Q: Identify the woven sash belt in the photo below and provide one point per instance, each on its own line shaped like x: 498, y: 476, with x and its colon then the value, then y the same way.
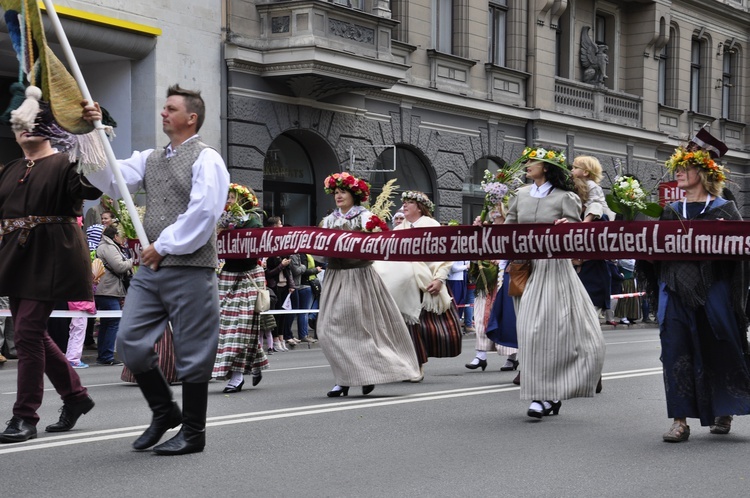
x: 26, y: 223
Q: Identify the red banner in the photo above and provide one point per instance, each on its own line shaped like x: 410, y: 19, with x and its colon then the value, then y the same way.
x: 653, y: 240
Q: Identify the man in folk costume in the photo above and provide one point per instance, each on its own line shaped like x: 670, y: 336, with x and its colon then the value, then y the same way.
x: 41, y: 194
x: 186, y: 184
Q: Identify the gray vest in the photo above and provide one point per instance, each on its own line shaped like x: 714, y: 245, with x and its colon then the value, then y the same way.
x: 168, y: 182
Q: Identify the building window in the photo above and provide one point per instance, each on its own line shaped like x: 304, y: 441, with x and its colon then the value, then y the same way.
x: 604, y: 34
x: 562, y: 46
x: 600, y: 30
x: 667, y: 71
x: 498, y: 31
x: 400, y: 13
x: 663, y: 77
x: 442, y: 25
x: 728, y: 84
x: 696, y: 70
x: 411, y: 171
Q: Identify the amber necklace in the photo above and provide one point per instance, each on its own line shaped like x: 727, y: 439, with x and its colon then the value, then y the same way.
x: 29, y: 164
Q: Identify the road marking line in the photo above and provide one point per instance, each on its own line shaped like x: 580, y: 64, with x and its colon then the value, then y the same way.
x: 281, y: 413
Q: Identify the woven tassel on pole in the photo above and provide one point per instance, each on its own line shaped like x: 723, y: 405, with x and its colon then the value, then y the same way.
x: 24, y: 117
x: 89, y: 152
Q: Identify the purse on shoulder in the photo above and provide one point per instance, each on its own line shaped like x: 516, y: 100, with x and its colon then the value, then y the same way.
x: 263, y: 299
x: 519, y: 272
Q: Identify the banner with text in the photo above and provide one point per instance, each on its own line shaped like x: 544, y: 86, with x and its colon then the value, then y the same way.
x: 655, y: 240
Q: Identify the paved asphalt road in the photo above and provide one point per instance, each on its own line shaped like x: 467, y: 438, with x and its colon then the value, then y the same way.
x: 459, y: 433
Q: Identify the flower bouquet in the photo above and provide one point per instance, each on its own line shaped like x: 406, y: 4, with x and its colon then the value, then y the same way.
x: 628, y: 199
x: 126, y: 228
x: 498, y: 186
x: 484, y: 275
x: 375, y: 224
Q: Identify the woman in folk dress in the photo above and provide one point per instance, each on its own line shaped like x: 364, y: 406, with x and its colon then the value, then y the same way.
x: 240, y: 351
x: 560, y: 342
x: 359, y: 327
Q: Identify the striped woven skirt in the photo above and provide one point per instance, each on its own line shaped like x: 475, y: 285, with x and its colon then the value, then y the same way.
x: 560, y: 341
x: 361, y: 331
x: 437, y: 336
x: 165, y: 349
x: 239, y: 347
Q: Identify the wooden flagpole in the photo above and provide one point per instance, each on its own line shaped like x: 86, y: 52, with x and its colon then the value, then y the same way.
x: 76, y: 70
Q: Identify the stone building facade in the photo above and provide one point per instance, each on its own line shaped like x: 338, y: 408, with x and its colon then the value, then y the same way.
x: 451, y: 87
x: 431, y: 92
x: 130, y: 52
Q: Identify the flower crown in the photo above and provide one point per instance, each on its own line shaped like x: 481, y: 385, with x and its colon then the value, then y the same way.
x: 419, y: 197
x: 243, y: 192
x: 358, y: 188
x: 541, y: 154
x: 682, y: 159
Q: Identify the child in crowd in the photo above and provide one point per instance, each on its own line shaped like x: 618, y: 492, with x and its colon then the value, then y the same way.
x: 589, y: 169
x: 77, y: 332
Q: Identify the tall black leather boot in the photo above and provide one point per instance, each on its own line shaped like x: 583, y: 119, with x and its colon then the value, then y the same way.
x: 166, y: 412
x: 192, y: 435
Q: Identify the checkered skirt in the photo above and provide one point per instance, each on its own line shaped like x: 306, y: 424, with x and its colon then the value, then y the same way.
x: 239, y: 327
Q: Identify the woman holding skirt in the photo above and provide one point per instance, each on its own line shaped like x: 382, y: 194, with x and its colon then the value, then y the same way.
x: 359, y: 327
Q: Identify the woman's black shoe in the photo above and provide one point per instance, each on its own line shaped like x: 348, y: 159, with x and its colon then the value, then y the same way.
x: 335, y: 393
x: 509, y: 366
x: 474, y: 366
x: 235, y: 389
x: 537, y: 413
x: 599, y: 386
x: 554, y: 408
x: 257, y: 379
x: 367, y: 390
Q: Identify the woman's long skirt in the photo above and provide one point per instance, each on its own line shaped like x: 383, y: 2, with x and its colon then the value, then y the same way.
x: 501, y: 322
x: 629, y: 307
x: 361, y: 330
x: 560, y: 341
x: 239, y: 347
x: 706, y: 372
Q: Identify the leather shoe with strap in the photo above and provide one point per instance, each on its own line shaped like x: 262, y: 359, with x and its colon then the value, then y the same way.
x: 18, y: 431
x: 70, y: 413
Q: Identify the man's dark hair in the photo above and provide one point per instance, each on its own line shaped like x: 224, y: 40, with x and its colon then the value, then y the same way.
x: 193, y: 102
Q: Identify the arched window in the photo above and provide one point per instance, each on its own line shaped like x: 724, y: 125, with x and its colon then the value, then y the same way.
x: 288, y: 190
x: 411, y: 173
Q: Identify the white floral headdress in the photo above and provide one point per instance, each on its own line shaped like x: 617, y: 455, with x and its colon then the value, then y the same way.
x: 412, y: 195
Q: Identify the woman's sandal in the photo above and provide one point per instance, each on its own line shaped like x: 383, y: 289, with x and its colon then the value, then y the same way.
x: 722, y: 425
x: 677, y: 433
